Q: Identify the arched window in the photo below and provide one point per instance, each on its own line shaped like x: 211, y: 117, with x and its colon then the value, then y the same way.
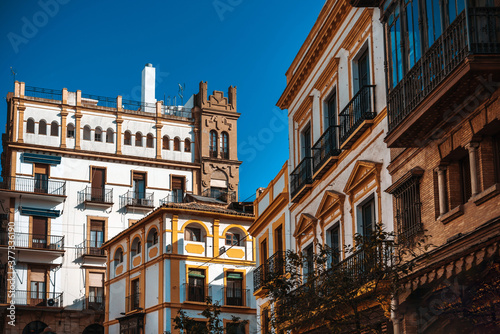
x: 110, y: 136
x: 136, y: 246
x: 35, y: 327
x: 30, y: 125
x: 233, y: 237
x: 118, y: 257
x: 166, y: 143
x: 127, y: 139
x: 138, y: 139
x: 213, y: 144
x: 149, y: 140
x: 70, y: 129
x: 152, y: 237
x: 42, y: 127
x: 54, y: 129
x: 225, y: 145
x: 177, y: 144
x: 98, y: 134
x: 187, y: 145
x: 86, y: 132
x: 194, y: 232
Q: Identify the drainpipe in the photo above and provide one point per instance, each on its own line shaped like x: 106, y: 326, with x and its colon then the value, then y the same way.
x: 394, y: 315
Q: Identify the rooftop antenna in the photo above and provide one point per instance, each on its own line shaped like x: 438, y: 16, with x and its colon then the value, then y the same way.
x: 13, y: 75
x: 181, y: 92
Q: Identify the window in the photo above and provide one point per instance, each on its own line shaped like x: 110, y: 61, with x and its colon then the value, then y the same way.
x: 97, y: 188
x: 109, y: 136
x: 39, y: 230
x: 135, y: 295
x: 465, y: 178
x: 334, y: 244
x: 166, y: 143
x: 152, y: 238
x: 96, y: 236
x: 136, y: 247
x: 138, y: 139
x: 192, y: 234
x: 225, y: 145
x: 263, y: 251
x: 434, y: 27
x: 235, y: 328
x: 213, y: 144
x: 41, y: 178
x: 118, y: 256
x: 233, y: 238
x: 37, y: 285
x: 42, y: 127
x: 234, y: 289
x: 266, y: 328
x: 149, y: 140
x: 367, y: 218
x: 362, y: 71
x: 86, y: 132
x: 309, y: 260
x: 177, y: 144
x: 330, y: 114
x: 54, y: 129
x: 196, y: 285
x: 305, y: 141
x: 98, y: 134
x: 139, y: 185
x: 396, y: 47
x: 127, y: 138
x: 496, y: 155
x: 30, y: 125
x: 177, y: 189
x: 187, y: 145
x: 96, y: 291
x: 70, y: 131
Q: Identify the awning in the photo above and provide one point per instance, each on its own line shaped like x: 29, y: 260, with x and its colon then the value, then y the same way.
x: 41, y: 158
x: 28, y: 211
x: 196, y: 273
x: 235, y: 275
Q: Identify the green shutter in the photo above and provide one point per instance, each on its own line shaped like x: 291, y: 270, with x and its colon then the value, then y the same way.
x: 196, y: 273
x: 235, y: 276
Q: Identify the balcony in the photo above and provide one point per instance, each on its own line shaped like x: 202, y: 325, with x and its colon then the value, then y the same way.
x: 197, y: 293
x: 137, y: 201
x: 357, y: 116
x: 101, y: 197
x: 95, y: 303
x: 273, y: 267
x: 325, y: 152
x: 236, y: 296
x: 463, y: 61
x: 38, y: 298
x: 220, y: 194
x: 85, y: 249
x: 301, y: 179
x: 133, y: 302
x: 175, y: 196
x: 35, y: 241
x: 35, y: 188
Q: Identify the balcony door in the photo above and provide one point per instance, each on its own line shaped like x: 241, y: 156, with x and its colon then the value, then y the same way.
x: 135, y: 294
x: 362, y: 79
x: 37, y: 293
x: 96, y: 291
x: 96, y: 236
x: 306, y: 142
x: 39, y: 232
x: 196, y: 286
x: 98, y: 181
x: 234, y: 289
x: 368, y: 218
x: 278, y: 241
x: 177, y: 189
x: 41, y: 178
x: 139, y: 186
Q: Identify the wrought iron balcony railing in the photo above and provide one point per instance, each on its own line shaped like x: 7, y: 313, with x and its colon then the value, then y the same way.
x: 37, y: 241
x: 95, y: 195
x: 220, y: 194
x: 43, y: 93
x: 273, y: 267
x: 34, y: 185
x: 236, y: 296
x: 326, y: 147
x: 301, y: 176
x: 136, y: 199
x: 197, y: 293
x: 176, y: 196
x: 133, y: 302
x: 100, y: 102
x: 95, y: 303
x: 359, y: 109
x: 89, y: 249
x: 38, y: 298
x: 474, y: 32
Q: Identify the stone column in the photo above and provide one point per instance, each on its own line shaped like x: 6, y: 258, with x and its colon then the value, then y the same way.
x: 472, y: 148
x: 158, y: 130
x: 441, y: 171
x: 78, y: 118
x: 20, y: 129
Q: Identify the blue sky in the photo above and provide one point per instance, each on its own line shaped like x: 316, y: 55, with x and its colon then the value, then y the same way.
x: 101, y: 48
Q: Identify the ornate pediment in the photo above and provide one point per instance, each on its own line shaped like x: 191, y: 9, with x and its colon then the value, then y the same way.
x: 219, y: 123
x: 363, y: 171
x: 331, y: 200
x: 306, y: 222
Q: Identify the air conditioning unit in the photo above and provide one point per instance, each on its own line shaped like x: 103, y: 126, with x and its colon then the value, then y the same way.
x: 169, y: 248
x: 144, y: 202
x: 51, y: 302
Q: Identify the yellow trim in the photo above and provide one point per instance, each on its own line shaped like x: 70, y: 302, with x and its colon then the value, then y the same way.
x: 195, y: 221
x: 216, y: 225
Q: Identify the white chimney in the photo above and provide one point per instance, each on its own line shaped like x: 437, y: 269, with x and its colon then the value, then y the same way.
x: 148, y: 84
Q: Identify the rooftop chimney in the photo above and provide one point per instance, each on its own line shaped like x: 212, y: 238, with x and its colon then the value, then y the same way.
x: 148, y: 84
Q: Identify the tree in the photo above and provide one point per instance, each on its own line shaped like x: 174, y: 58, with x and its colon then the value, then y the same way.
x: 213, y: 325
x: 353, y: 295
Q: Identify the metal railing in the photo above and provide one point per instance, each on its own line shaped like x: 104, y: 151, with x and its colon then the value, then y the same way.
x: 360, y: 108
x: 38, y: 298
x: 176, y: 111
x: 447, y: 52
x: 301, y: 176
x: 100, y: 102
x: 37, y: 241
x: 173, y: 197
x: 132, y: 198
x: 95, y: 303
x: 236, y: 296
x: 43, y: 93
x: 213, y: 153
x: 137, y: 107
x: 220, y: 194
x: 196, y: 293
x: 133, y: 302
x: 273, y: 267
x: 88, y: 248
x: 95, y: 195
x: 34, y: 185
x: 327, y: 146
